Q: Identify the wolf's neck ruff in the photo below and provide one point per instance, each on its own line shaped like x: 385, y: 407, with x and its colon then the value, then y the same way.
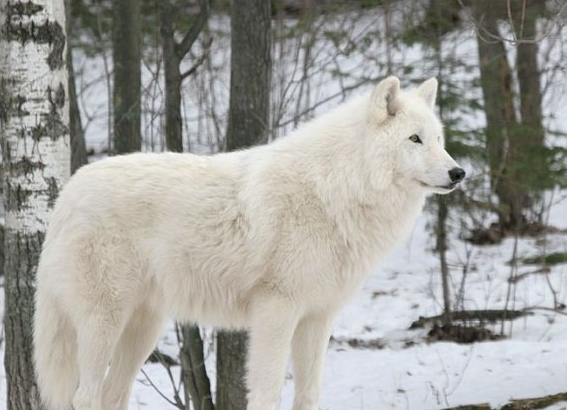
x: 354, y: 181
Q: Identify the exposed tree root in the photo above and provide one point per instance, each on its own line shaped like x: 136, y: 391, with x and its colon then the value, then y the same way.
x: 520, y: 404
x: 490, y: 315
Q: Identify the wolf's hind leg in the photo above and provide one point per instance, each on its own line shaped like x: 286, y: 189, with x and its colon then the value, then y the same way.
x: 134, y: 346
x: 97, y: 335
x: 272, y: 327
x: 308, y: 354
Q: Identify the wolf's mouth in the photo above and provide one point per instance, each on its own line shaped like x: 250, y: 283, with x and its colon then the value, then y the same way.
x: 452, y: 185
x: 448, y: 187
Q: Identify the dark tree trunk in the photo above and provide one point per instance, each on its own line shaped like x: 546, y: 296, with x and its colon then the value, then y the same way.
x: 442, y: 21
x: 250, y: 74
x: 532, y: 158
x: 193, y: 371
x: 231, y: 370
x: 2, y: 253
x: 126, y: 51
x: 529, y: 74
x: 78, y: 146
x: 173, y: 80
x: 441, y: 247
x: 248, y: 119
x: 501, y: 124
x: 22, y: 252
x: 173, y: 54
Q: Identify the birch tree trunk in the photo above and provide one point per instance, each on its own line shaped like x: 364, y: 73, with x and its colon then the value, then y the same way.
x: 34, y: 115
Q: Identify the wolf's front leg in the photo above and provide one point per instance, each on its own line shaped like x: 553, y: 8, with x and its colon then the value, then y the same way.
x: 273, y: 323
x: 309, y: 346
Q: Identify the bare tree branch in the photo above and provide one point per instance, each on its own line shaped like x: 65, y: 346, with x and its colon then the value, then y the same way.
x: 183, y: 48
x: 200, y: 61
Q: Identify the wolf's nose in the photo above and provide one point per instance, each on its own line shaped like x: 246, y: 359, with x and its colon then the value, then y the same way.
x: 457, y: 175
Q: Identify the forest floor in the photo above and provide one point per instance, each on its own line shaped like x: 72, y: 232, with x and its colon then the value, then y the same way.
x: 375, y: 362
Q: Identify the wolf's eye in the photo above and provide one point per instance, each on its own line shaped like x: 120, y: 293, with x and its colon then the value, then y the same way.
x: 415, y: 138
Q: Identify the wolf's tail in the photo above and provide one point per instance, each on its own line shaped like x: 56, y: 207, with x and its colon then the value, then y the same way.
x: 55, y: 353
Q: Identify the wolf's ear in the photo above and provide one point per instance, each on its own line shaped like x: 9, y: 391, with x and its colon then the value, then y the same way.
x: 428, y: 91
x: 385, y: 100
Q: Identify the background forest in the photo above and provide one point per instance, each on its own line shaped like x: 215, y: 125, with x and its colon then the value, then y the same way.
x: 473, y: 308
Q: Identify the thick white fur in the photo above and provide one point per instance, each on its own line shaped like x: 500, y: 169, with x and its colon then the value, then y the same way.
x: 274, y: 239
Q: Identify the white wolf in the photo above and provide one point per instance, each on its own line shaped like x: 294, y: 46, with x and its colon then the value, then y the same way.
x: 274, y: 239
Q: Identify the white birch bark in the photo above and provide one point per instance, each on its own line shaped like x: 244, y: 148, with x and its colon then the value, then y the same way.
x: 34, y: 121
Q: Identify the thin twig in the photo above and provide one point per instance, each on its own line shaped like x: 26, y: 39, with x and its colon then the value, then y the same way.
x: 199, y: 62
x: 159, y: 391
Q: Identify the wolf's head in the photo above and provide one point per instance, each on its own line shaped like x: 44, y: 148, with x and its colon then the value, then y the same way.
x: 409, y: 136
